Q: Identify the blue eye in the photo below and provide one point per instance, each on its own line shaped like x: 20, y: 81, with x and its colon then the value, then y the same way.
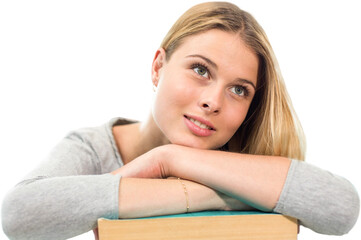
x: 201, y: 70
x: 239, y: 90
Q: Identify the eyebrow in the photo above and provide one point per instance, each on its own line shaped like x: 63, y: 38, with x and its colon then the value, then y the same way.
x: 209, y: 61
x: 214, y: 65
x: 241, y: 80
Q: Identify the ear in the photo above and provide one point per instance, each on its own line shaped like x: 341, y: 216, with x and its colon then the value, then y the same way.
x: 158, y: 63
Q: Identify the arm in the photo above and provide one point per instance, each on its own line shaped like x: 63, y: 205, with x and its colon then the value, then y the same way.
x: 257, y: 180
x: 140, y: 197
x: 322, y: 201
x: 71, y: 189
x: 59, y: 207
x: 63, y: 198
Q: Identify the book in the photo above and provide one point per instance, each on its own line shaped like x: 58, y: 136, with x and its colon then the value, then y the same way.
x: 210, y: 225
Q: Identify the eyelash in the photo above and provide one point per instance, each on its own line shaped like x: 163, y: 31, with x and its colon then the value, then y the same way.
x: 245, y: 90
x: 200, y: 65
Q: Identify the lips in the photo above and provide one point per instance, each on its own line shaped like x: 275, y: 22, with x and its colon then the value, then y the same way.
x: 200, y: 122
x: 198, y: 126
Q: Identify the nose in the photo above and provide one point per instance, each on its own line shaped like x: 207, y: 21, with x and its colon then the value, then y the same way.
x: 211, y: 100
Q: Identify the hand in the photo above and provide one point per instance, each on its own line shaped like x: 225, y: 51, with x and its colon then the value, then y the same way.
x: 152, y: 164
x: 96, y: 234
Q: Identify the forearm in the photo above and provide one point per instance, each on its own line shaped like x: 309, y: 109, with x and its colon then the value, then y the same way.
x: 59, y: 207
x: 257, y: 180
x: 141, y: 197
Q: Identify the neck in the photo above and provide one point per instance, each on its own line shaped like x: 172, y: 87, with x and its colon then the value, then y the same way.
x: 134, y: 140
x: 150, y: 135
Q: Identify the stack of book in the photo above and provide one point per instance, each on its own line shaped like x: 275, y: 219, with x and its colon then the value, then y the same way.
x: 210, y: 225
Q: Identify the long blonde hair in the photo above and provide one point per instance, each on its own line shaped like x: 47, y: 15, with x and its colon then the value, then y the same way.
x: 271, y: 126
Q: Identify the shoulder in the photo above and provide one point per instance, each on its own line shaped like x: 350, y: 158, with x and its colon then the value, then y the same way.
x: 100, y: 140
x: 98, y: 135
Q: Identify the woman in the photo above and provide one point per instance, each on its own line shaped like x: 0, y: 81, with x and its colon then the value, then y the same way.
x: 222, y: 122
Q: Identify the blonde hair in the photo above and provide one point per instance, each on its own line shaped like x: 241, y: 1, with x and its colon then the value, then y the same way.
x: 271, y: 126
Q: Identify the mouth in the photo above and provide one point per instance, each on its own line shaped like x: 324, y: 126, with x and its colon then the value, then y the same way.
x: 203, y: 124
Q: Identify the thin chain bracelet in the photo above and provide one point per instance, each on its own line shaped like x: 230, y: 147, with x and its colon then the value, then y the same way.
x: 186, y: 193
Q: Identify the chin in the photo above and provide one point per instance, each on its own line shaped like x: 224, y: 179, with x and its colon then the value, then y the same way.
x: 195, y: 144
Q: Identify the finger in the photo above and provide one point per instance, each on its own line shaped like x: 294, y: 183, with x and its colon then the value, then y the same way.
x: 96, y: 233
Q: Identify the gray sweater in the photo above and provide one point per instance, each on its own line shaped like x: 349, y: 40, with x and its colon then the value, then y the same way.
x: 66, y: 194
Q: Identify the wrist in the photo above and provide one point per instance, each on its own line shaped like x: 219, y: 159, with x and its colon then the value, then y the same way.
x: 163, y: 157
x: 172, y: 157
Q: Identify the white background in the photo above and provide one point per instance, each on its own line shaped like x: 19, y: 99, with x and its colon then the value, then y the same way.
x: 71, y: 64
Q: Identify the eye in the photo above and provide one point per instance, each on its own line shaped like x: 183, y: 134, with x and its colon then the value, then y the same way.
x: 240, y: 90
x: 201, y: 70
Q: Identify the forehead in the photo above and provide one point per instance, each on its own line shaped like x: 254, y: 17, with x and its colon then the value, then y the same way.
x: 226, y: 49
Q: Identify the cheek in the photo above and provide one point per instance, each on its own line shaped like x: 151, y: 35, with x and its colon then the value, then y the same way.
x: 234, y: 117
x: 172, y: 97
x: 175, y: 90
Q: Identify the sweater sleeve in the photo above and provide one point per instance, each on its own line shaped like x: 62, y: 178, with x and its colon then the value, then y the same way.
x: 66, y: 194
x: 320, y: 200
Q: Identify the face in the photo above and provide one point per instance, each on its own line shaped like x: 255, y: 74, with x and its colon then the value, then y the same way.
x: 205, y: 89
